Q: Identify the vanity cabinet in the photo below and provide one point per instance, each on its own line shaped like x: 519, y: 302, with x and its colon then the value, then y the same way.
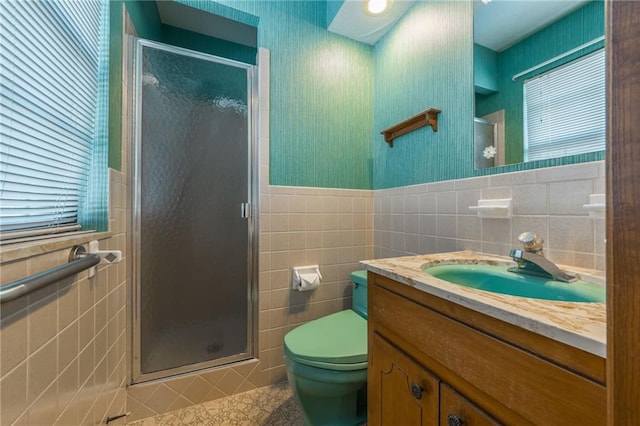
x: 456, y: 410
x: 434, y: 362
x: 409, y: 394
x: 405, y: 393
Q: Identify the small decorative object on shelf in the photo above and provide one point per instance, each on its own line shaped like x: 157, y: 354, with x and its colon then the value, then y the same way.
x: 428, y: 117
x: 489, y: 152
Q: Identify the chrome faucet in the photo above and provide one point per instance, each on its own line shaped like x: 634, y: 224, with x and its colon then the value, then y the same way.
x: 531, y: 260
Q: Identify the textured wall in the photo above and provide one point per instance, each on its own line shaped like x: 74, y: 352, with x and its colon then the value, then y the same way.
x: 232, y: 11
x: 321, y: 96
x: 435, y: 217
x: 425, y: 61
x: 333, y: 7
x: 63, y: 347
x: 581, y: 26
x: 485, y: 70
x: 321, y: 99
x: 196, y: 41
x: 145, y: 16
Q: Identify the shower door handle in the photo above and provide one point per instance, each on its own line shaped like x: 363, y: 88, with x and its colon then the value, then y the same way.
x: 245, y: 210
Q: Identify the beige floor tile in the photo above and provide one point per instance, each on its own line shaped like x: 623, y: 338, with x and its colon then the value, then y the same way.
x: 266, y: 406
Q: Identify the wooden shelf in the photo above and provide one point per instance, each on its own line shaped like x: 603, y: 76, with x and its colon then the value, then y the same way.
x: 428, y: 117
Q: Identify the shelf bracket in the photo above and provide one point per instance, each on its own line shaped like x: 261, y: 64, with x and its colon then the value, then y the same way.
x: 425, y: 118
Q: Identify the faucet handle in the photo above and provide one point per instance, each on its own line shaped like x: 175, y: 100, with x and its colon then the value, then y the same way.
x: 531, y: 242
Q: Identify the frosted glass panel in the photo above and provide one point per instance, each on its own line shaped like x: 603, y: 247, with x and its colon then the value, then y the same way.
x: 193, y: 177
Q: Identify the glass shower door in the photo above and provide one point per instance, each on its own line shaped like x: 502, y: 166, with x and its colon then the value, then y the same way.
x: 193, y: 250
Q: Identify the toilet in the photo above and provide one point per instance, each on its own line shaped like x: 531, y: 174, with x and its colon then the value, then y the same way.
x: 326, y: 361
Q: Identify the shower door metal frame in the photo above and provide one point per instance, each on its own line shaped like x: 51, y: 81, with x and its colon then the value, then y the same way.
x: 137, y: 376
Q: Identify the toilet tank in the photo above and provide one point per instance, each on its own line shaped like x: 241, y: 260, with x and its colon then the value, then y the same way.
x: 359, y: 302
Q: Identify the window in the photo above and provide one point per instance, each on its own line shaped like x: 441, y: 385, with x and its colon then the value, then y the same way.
x: 564, y: 110
x: 53, y: 116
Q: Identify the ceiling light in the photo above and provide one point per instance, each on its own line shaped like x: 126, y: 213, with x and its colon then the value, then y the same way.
x: 376, y: 7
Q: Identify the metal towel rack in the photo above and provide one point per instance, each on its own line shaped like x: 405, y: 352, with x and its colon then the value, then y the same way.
x: 79, y: 260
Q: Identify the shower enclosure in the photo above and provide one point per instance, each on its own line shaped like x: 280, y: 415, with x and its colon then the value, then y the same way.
x: 194, y: 233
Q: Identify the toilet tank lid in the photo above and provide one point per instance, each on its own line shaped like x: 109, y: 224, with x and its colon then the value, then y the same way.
x: 359, y: 277
x: 339, y: 338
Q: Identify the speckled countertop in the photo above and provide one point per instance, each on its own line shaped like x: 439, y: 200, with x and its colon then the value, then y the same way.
x: 582, y: 325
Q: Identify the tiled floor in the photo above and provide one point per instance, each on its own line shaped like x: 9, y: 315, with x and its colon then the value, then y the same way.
x: 266, y: 406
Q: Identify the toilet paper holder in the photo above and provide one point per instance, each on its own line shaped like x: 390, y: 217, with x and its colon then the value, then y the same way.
x: 304, y: 278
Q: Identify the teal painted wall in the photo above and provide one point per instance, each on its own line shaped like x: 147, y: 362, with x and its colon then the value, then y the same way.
x: 144, y: 15
x: 323, y: 101
x: 581, y: 26
x: 333, y: 7
x: 233, y: 10
x: 321, y: 88
x: 425, y: 61
x: 321, y: 95
x: 196, y: 41
x: 485, y: 70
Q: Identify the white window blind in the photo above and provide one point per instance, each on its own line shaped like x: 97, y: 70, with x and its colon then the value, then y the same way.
x: 49, y: 89
x: 564, y: 110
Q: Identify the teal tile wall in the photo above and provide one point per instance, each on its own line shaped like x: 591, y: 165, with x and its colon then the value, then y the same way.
x: 425, y: 61
x: 581, y: 26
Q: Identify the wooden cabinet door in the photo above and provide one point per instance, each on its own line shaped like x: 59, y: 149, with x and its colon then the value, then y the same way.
x: 456, y: 410
x: 401, y: 392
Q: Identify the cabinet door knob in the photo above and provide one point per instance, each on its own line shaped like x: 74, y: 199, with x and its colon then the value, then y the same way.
x: 453, y: 420
x: 416, y: 390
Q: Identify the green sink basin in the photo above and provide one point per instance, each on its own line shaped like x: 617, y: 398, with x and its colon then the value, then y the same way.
x: 497, y: 279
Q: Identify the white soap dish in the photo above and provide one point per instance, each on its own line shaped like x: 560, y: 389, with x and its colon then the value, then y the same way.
x: 499, y: 208
x: 597, y: 206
